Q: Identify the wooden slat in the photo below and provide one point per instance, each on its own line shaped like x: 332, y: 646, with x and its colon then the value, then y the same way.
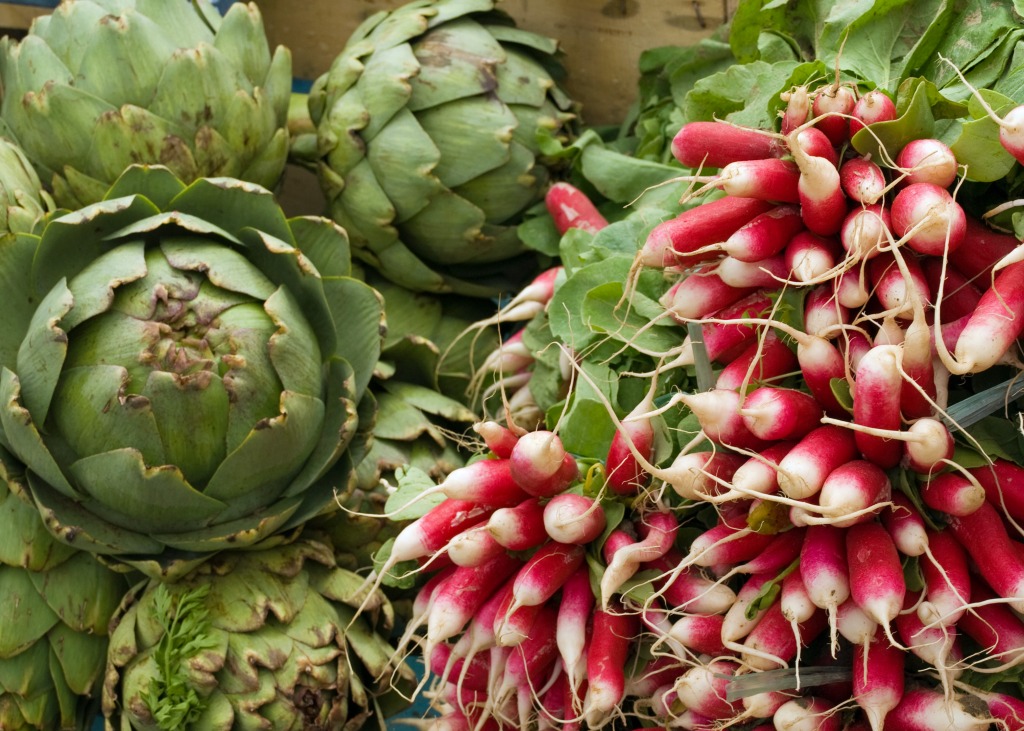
x: 15, y: 17
x: 602, y: 39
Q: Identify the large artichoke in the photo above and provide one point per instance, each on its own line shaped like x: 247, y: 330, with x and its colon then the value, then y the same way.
x: 102, y: 84
x: 428, y: 127
x: 265, y: 639
x: 181, y: 368
x: 55, y: 607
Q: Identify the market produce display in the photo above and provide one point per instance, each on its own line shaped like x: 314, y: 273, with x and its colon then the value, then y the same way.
x: 710, y: 419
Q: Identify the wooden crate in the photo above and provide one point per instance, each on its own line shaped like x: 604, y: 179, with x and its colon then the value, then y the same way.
x: 602, y: 39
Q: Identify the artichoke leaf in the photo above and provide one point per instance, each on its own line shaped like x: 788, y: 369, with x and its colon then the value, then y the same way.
x: 324, y: 243
x: 372, y: 649
x: 511, y: 35
x: 225, y: 267
x: 187, y: 221
x: 522, y: 79
x: 357, y: 312
x: 232, y: 534
x: 268, y: 165
x: 269, y: 459
x: 16, y: 252
x: 395, y: 28
x: 339, y: 138
x: 243, y: 603
x: 93, y: 415
x: 446, y: 10
x: 408, y: 313
x: 402, y: 421
x: 456, y: 62
x: 61, y: 29
x: 82, y: 592
x: 154, y: 182
x: 24, y: 615
x: 92, y: 289
x: 140, y: 498
x: 241, y: 37
x: 340, y: 421
x: 384, y: 87
x: 235, y: 205
x: 134, y: 133
x: 294, y: 349
x: 23, y: 438
x: 81, y: 657
x: 24, y: 542
x: 184, y: 23
x: 75, y: 189
x: 430, y: 401
x: 40, y: 699
x: 64, y: 252
x: 507, y: 191
x: 142, y: 49
x: 403, y: 157
x: 472, y: 135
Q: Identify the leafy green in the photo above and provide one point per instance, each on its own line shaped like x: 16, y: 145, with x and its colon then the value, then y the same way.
x: 184, y: 618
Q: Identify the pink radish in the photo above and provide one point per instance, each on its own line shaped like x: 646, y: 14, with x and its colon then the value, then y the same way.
x: 877, y: 679
x: 764, y: 235
x: 876, y: 404
x: 824, y: 316
x: 777, y: 555
x: 994, y: 326
x: 809, y: 256
x: 798, y: 108
x: 1003, y: 482
x: 700, y: 475
x: 851, y: 490
x: 772, y: 643
x: 873, y: 107
x: 795, y: 602
x: 702, y: 688
x: 876, y: 574
x: 824, y: 570
x: 688, y: 589
x: 997, y: 629
x: 511, y: 625
x: 852, y: 288
x: 905, y: 525
x: 803, y: 470
x: 758, y: 474
x: 658, y: 533
x: 764, y: 705
x: 866, y: 231
x: 529, y: 661
x: 959, y: 295
x: 487, y: 481
x: 545, y: 572
x: 923, y: 709
x: 571, y: 208
x: 700, y: 294
x: 726, y: 543
x: 774, y: 414
x: 928, y: 218
x: 473, y: 675
x: 625, y: 473
x: 742, y: 616
x: 511, y: 356
x: 928, y: 161
x: 770, y: 179
x: 919, y: 392
x: 474, y: 546
x: 430, y: 533
x: 499, y: 439
x: 862, y: 180
x: 574, y: 611
x: 572, y: 518
x: 946, y: 579
x: 762, y: 361
x: 900, y: 289
x: 937, y: 645
x: 729, y: 329
x: 984, y: 537
x: 540, y: 465
x: 814, y: 142
x: 672, y: 241
x: 612, y: 636
x: 766, y: 273
x: 701, y: 633
x: 832, y: 107
x: 806, y: 714
x: 985, y: 247
x: 462, y: 595
x: 716, y: 144
x: 1006, y: 710
x: 854, y: 624
x: 822, y: 202
x: 519, y: 528
x: 953, y: 493
x: 719, y: 416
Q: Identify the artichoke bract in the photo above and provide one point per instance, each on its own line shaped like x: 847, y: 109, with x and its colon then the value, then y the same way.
x: 23, y: 202
x: 265, y: 639
x: 57, y: 603
x: 182, y: 368
x: 429, y: 127
x: 101, y: 84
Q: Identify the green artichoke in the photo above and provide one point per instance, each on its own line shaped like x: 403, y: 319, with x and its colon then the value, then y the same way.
x: 56, y: 605
x: 429, y: 125
x: 182, y: 367
x: 101, y: 84
x: 264, y: 639
x: 23, y: 202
